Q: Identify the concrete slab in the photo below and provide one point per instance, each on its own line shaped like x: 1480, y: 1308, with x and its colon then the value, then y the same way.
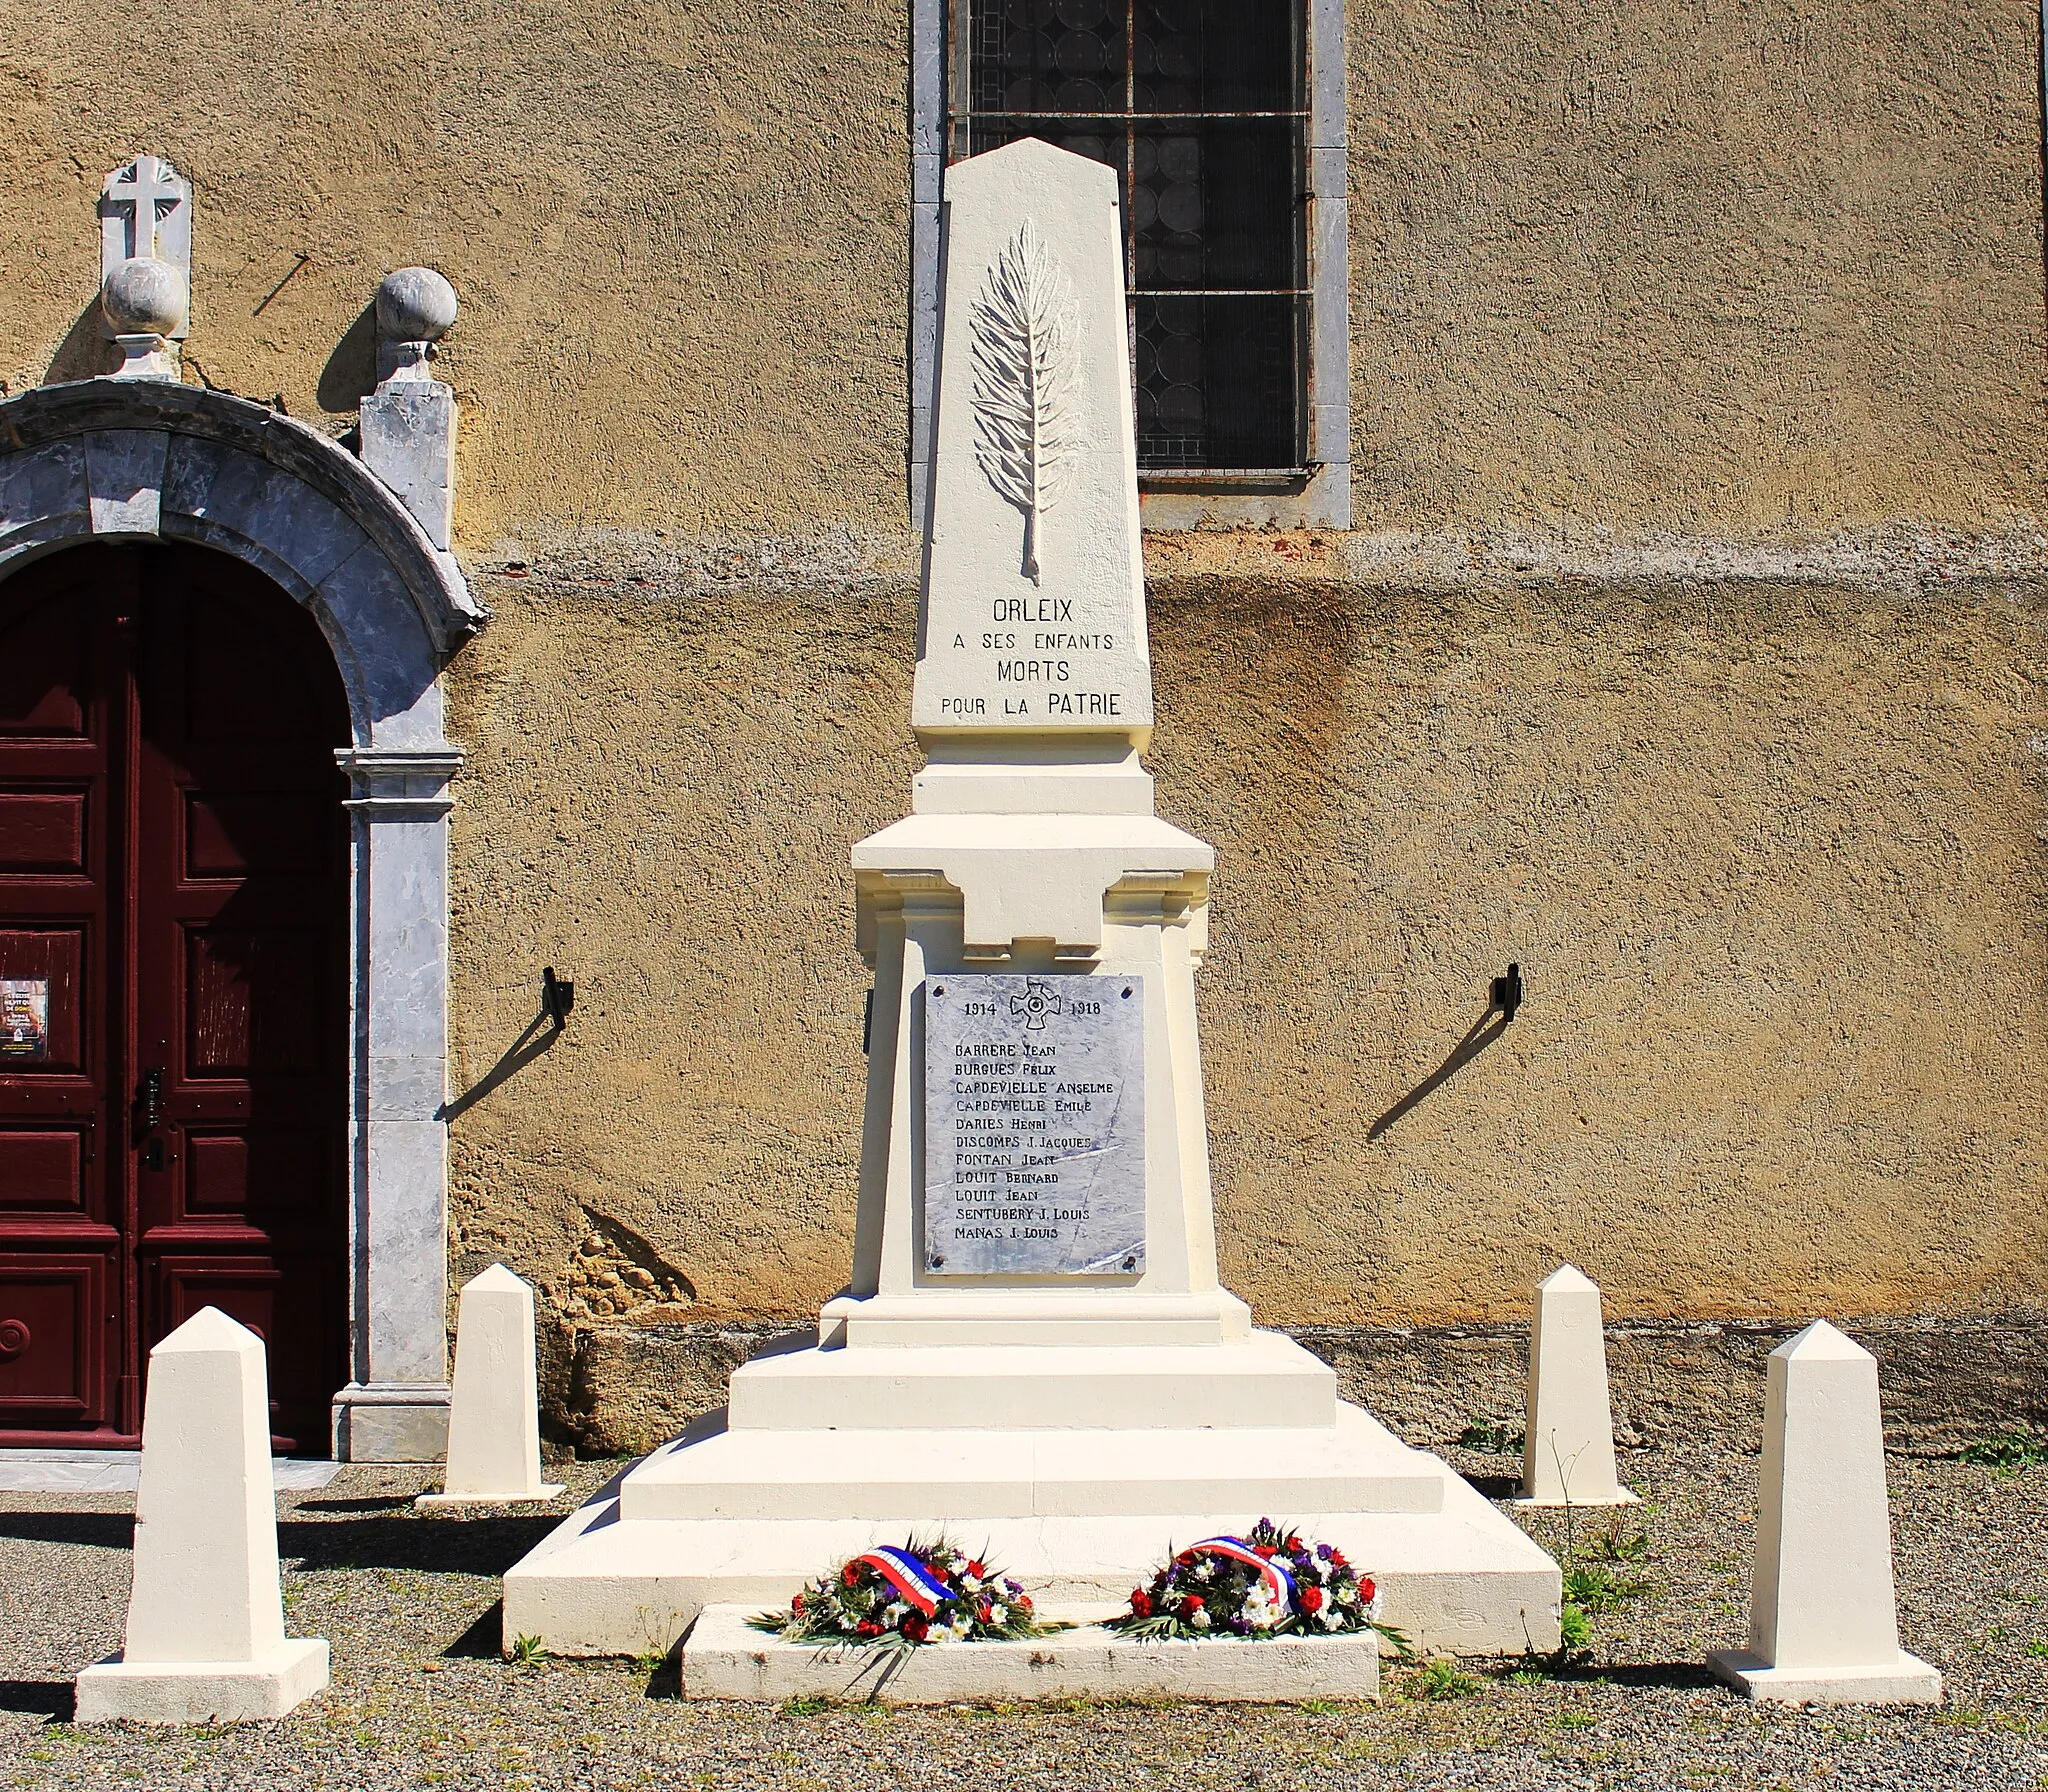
x: 726, y: 1658
x: 203, y: 1692
x: 1906, y: 1681
x: 117, y: 1471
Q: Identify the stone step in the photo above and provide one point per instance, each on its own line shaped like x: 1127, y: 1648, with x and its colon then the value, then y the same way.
x: 959, y: 1476
x: 725, y: 1657
x: 1461, y: 1578
x: 1266, y: 1382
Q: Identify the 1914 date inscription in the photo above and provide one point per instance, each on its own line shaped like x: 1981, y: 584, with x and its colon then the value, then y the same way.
x: 1034, y: 1132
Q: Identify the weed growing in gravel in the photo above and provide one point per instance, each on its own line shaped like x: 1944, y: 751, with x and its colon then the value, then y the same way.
x: 525, y: 1652
x: 1574, y: 1720
x: 649, y: 1661
x: 1441, y: 1679
x: 805, y: 1707
x: 2038, y: 1649
x: 2008, y: 1450
x: 1491, y: 1439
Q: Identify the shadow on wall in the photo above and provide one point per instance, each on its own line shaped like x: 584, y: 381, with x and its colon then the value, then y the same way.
x: 1482, y: 1033
x: 350, y: 375
x: 84, y: 353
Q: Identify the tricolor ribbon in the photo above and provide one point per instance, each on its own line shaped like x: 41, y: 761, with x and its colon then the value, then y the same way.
x: 1274, y: 1572
x: 909, y: 1576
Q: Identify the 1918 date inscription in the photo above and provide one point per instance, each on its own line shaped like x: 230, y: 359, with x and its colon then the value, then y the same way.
x: 1034, y: 1140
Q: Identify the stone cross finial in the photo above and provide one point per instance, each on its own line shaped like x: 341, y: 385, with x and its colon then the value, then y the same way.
x: 146, y: 215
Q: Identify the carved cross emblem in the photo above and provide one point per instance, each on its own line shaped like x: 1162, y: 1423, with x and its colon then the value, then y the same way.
x: 141, y: 196
x: 1038, y: 1000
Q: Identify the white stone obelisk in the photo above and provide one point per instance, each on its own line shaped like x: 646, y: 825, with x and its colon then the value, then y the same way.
x: 1823, y: 1617
x: 1568, y: 1431
x: 494, y: 1418
x: 1033, y: 1347
x: 205, y: 1640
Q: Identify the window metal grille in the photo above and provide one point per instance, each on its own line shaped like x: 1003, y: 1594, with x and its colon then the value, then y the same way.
x: 1201, y: 107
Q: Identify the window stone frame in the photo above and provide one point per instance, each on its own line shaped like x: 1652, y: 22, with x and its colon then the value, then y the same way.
x: 1323, y: 501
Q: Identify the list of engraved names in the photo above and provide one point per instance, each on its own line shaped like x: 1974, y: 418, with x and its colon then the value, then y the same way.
x: 1034, y: 1125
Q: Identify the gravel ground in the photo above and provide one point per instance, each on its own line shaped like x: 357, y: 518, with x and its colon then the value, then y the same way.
x: 421, y: 1697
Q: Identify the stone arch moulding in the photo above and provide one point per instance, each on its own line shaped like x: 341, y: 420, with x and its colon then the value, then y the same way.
x: 147, y: 460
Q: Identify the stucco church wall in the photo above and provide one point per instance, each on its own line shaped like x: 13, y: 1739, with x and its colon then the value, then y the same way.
x: 1689, y: 649
x: 1648, y: 266
x: 1769, y: 850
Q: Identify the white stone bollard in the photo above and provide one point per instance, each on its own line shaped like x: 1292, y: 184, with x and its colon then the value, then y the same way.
x: 1823, y: 1620
x: 494, y: 1420
x: 205, y: 1640
x: 1568, y: 1438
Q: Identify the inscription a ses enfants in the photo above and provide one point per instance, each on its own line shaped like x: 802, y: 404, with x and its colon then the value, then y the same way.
x: 1034, y: 1098
x: 1040, y: 668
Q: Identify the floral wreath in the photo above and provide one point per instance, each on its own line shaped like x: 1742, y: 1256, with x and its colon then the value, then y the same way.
x: 1268, y: 1583
x: 932, y: 1592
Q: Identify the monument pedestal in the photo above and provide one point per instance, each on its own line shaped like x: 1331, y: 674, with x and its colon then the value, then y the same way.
x: 1033, y: 1354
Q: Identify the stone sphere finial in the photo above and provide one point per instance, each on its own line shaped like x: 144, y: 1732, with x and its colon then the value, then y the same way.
x: 414, y: 305
x: 145, y: 297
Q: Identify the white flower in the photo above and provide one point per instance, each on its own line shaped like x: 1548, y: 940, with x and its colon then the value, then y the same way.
x: 893, y: 1611
x: 1200, y: 1621
x: 1204, y: 1571
x: 999, y: 1614
x: 1329, y: 1620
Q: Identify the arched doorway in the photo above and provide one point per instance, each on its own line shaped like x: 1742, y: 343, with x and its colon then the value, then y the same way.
x: 174, y: 936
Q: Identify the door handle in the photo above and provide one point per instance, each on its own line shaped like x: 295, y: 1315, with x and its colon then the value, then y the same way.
x: 153, y: 1097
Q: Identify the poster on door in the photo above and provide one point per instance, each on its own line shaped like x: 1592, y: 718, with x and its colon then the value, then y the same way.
x: 24, y: 1020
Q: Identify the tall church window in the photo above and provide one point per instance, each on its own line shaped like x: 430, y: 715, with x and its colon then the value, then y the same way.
x: 1220, y: 118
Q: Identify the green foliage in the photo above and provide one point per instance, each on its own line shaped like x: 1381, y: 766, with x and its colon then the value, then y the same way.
x: 1441, y: 1679
x: 1491, y: 1439
x: 525, y: 1652
x: 2011, y: 1450
x: 1596, y: 1589
x: 1523, y: 1677
x: 1574, y: 1720
x: 805, y: 1707
x: 1574, y: 1630
x: 649, y: 1661
x: 2038, y: 1649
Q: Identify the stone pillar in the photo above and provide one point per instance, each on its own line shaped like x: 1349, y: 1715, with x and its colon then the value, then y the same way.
x: 205, y: 1640
x: 494, y: 1425
x: 1568, y: 1426
x: 395, y: 1408
x: 408, y: 423
x: 1823, y: 1618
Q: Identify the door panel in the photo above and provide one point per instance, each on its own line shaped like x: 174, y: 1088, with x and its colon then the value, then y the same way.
x: 241, y: 899
x: 173, y: 889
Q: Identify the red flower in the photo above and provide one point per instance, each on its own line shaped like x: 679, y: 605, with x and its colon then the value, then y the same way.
x: 1023, y: 1602
x: 1366, y: 1590
x: 850, y: 1574
x: 984, y: 1609
x: 916, y: 1626
x: 1337, y: 1559
x: 868, y: 1627
x: 1192, y: 1601
x: 1185, y: 1558
x: 1141, y: 1603
x: 797, y: 1604
x: 977, y: 1570
x: 1294, y: 1543
x: 1264, y: 1549
x: 1311, y: 1600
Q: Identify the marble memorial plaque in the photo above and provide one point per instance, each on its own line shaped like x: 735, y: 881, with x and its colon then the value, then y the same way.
x: 1034, y: 1140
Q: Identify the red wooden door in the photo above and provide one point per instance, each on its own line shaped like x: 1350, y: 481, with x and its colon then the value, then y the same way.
x: 173, y: 889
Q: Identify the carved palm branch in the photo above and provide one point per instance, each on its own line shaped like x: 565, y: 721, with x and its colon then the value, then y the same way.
x: 1022, y: 330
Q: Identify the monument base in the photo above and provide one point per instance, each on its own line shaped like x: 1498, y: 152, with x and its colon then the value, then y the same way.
x: 1080, y: 1509
x: 1620, y: 1496
x: 202, y: 1692
x: 724, y: 1657
x: 541, y: 1496
x: 1906, y: 1681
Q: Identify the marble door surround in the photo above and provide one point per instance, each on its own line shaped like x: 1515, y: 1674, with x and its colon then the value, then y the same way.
x: 148, y: 460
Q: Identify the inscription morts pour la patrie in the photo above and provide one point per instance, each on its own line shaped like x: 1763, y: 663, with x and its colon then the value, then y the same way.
x: 1034, y: 1125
